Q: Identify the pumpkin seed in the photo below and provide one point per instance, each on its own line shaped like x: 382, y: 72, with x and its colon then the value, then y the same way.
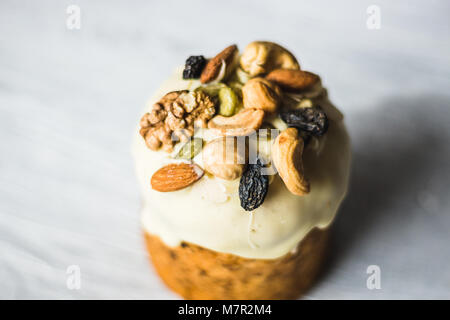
x: 190, y: 149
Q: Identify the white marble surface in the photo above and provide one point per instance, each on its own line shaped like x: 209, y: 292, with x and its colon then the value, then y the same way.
x: 69, y: 101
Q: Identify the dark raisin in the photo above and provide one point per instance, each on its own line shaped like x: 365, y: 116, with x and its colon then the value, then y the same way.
x: 312, y: 120
x: 253, y: 186
x: 193, y: 67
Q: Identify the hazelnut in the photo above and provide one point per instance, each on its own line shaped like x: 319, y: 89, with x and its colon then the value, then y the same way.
x: 225, y: 157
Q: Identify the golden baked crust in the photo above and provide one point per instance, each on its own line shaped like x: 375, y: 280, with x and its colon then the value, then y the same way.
x: 198, y: 273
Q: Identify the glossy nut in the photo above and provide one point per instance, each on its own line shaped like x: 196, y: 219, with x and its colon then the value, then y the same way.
x: 225, y: 157
x: 242, y: 123
x: 262, y: 57
x: 287, y: 152
x: 259, y: 93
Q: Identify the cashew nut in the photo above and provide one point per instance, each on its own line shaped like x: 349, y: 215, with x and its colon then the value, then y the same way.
x: 287, y: 153
x: 262, y: 57
x: 242, y: 123
x: 225, y: 157
x: 259, y: 93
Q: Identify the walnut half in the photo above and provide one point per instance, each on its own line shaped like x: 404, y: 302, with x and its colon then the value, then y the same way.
x: 175, y: 118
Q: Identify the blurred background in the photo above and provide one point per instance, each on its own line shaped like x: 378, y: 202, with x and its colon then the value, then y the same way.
x: 71, y: 98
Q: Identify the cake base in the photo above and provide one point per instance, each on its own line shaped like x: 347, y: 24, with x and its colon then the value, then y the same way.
x: 195, y: 272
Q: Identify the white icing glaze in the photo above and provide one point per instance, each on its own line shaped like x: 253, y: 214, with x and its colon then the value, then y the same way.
x: 208, y: 212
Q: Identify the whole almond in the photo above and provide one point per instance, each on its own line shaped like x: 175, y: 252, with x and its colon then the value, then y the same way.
x: 175, y: 176
x: 293, y: 80
x: 212, y: 68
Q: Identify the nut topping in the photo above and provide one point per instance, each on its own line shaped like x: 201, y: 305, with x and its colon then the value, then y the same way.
x: 175, y: 176
x: 235, y: 96
x: 262, y: 57
x: 213, y: 67
x: 174, y: 118
x: 242, y: 123
x: 258, y: 93
x: 224, y: 157
x: 293, y: 80
x: 287, y: 153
